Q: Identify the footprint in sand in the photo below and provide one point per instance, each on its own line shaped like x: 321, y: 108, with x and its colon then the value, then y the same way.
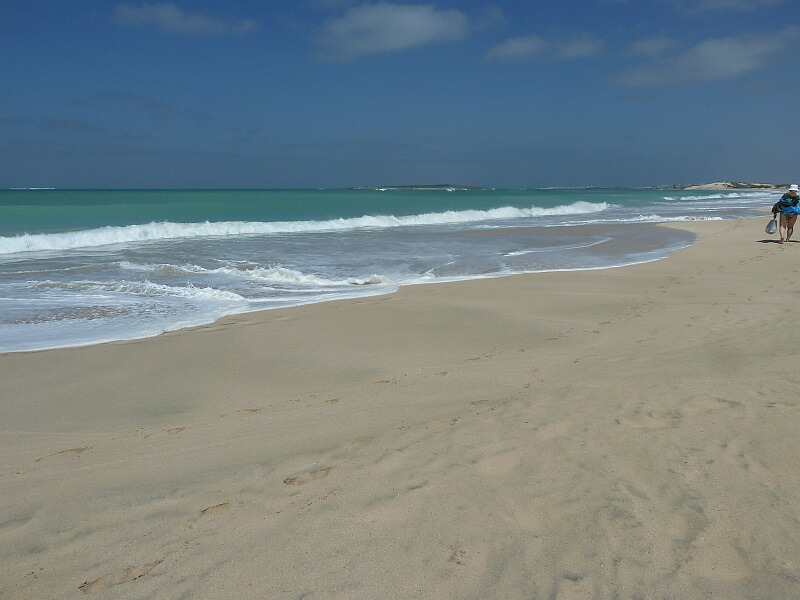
x: 247, y: 410
x: 360, y: 442
x: 215, y: 510
x: 790, y: 405
x: 171, y: 431
x: 112, y: 579
x: 652, y: 421
x: 439, y: 425
x: 67, y: 452
x: 306, y: 477
x: 457, y: 557
x: 242, y: 411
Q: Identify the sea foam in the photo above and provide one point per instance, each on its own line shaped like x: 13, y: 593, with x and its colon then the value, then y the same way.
x: 106, y: 236
x: 270, y: 275
x: 142, y: 288
x: 731, y: 195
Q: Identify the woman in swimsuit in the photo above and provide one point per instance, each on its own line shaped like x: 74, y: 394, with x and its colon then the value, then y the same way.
x: 789, y: 207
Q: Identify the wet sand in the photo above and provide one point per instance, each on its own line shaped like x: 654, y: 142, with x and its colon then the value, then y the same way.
x: 625, y: 433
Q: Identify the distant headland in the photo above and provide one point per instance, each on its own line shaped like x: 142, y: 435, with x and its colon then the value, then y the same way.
x: 717, y: 185
x: 735, y: 185
x: 436, y: 186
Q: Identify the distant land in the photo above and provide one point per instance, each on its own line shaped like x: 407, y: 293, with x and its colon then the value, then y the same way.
x: 452, y: 187
x: 717, y: 185
x: 736, y: 185
x: 436, y: 186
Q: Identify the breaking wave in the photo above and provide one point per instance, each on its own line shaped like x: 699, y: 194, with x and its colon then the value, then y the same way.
x: 731, y: 195
x: 105, y: 236
x: 142, y: 289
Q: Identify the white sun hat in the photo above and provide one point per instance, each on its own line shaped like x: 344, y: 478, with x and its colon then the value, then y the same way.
x: 793, y: 188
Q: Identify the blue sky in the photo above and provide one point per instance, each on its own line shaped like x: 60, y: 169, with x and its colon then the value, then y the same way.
x: 336, y: 93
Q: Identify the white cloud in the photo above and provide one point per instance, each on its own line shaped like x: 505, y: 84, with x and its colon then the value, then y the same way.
x: 388, y: 27
x: 533, y: 47
x: 579, y: 46
x: 170, y: 18
x: 520, y: 49
x: 491, y: 17
x: 652, y: 46
x: 711, y: 60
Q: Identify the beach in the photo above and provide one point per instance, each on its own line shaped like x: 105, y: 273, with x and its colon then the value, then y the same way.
x: 81, y: 267
x: 616, y: 433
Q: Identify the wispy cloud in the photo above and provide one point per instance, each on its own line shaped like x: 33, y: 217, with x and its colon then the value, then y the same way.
x: 582, y: 45
x: 172, y: 19
x: 68, y: 126
x: 694, y: 7
x: 653, y: 46
x: 722, y: 5
x: 491, y: 16
x: 520, y: 49
x: 710, y: 60
x: 387, y: 27
x: 534, y: 47
x: 332, y: 4
x: 151, y: 106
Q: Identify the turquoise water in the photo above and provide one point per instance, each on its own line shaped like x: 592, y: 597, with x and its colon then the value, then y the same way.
x: 43, y: 211
x: 86, y: 266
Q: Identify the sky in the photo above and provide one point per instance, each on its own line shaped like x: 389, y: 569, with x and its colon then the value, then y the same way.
x: 338, y: 93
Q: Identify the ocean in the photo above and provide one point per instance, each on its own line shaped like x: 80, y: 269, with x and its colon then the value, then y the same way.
x: 82, y: 267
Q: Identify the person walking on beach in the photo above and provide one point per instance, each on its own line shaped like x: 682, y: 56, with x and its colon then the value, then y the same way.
x: 789, y: 207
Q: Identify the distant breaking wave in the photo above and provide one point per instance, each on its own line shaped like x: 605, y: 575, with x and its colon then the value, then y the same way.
x: 732, y: 195
x: 653, y: 219
x: 104, y: 236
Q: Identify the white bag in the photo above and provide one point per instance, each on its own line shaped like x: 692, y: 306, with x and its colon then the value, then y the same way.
x: 771, y: 227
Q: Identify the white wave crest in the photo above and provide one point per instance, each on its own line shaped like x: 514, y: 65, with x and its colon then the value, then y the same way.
x: 753, y: 194
x: 371, y: 280
x: 106, y: 236
x: 283, y: 275
x: 271, y: 275
x: 279, y: 274
x: 144, y: 288
x: 147, y: 288
x: 653, y: 218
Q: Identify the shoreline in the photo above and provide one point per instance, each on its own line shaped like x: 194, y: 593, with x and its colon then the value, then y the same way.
x: 556, y: 231
x: 625, y: 432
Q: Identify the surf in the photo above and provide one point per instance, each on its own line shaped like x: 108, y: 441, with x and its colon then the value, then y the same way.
x: 166, y: 230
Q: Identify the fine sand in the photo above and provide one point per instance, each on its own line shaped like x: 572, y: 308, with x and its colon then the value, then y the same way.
x: 628, y: 433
